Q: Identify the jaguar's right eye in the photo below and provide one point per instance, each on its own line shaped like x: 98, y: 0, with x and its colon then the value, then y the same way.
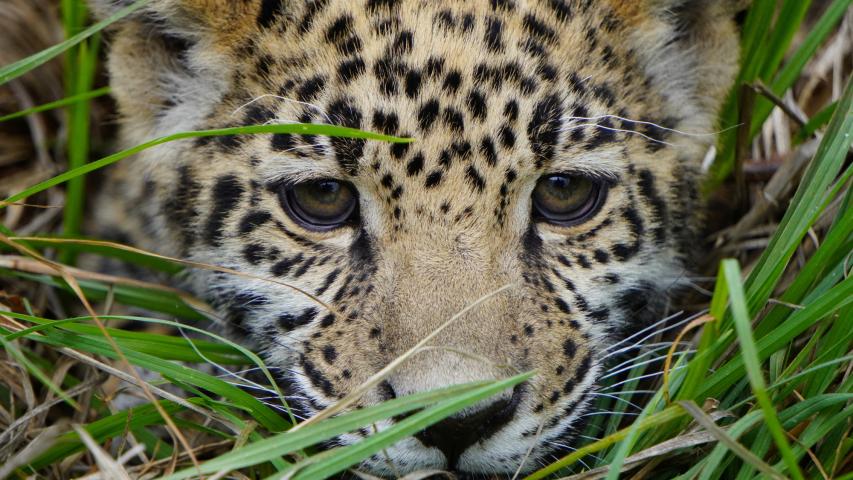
x: 567, y: 200
x: 320, y: 205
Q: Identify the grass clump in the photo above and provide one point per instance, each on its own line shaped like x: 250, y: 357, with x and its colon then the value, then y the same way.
x: 757, y: 383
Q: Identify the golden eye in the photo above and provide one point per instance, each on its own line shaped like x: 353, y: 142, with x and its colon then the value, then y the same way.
x: 567, y: 200
x: 320, y: 204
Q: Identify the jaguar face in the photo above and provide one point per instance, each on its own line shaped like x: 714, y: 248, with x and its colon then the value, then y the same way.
x: 550, y: 187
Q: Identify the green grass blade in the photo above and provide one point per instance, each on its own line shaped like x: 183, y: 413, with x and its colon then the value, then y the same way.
x: 781, y: 82
x: 289, y: 442
x: 79, y: 245
x: 698, y: 365
x: 16, y: 353
x: 57, y: 104
x: 818, y: 121
x: 755, y: 30
x: 655, y: 420
x: 170, y: 345
x: 820, y: 382
x: 749, y: 353
x: 162, y: 346
x: 293, y: 128
x: 802, y: 411
x: 786, y: 77
x: 724, y: 438
x: 799, y: 321
x: 625, y: 446
x: 806, y: 205
x: 612, y: 424
x: 836, y: 243
x: 78, y: 140
x: 260, y: 412
x: 806, y: 373
x: 820, y: 428
x: 348, y: 456
x: 788, y: 22
x: 162, y: 301
x: 16, y: 69
x: 103, y: 429
x: 715, y: 459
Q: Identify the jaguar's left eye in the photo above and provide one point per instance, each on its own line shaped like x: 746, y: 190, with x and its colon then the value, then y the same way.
x: 567, y: 200
x: 320, y: 205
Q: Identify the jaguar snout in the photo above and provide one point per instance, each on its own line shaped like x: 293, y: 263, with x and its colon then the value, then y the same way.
x: 454, y: 435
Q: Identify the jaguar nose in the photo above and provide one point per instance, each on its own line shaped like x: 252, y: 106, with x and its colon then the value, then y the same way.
x: 453, y: 436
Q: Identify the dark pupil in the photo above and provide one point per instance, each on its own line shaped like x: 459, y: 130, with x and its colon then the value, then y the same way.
x: 559, y: 187
x: 323, y: 201
x: 325, y: 192
x: 561, y: 194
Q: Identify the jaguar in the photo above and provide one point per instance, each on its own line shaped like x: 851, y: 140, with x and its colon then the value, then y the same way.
x: 547, y: 202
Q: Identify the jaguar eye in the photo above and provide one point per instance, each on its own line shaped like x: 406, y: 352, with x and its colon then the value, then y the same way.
x: 320, y: 205
x: 567, y: 200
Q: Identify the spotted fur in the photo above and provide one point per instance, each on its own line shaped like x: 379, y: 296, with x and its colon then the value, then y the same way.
x: 496, y: 93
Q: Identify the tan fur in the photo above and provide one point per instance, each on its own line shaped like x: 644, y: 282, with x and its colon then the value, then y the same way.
x: 425, y: 249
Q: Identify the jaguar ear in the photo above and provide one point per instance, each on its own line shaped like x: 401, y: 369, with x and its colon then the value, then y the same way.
x: 690, y: 49
x: 192, y: 18
x: 170, y: 60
